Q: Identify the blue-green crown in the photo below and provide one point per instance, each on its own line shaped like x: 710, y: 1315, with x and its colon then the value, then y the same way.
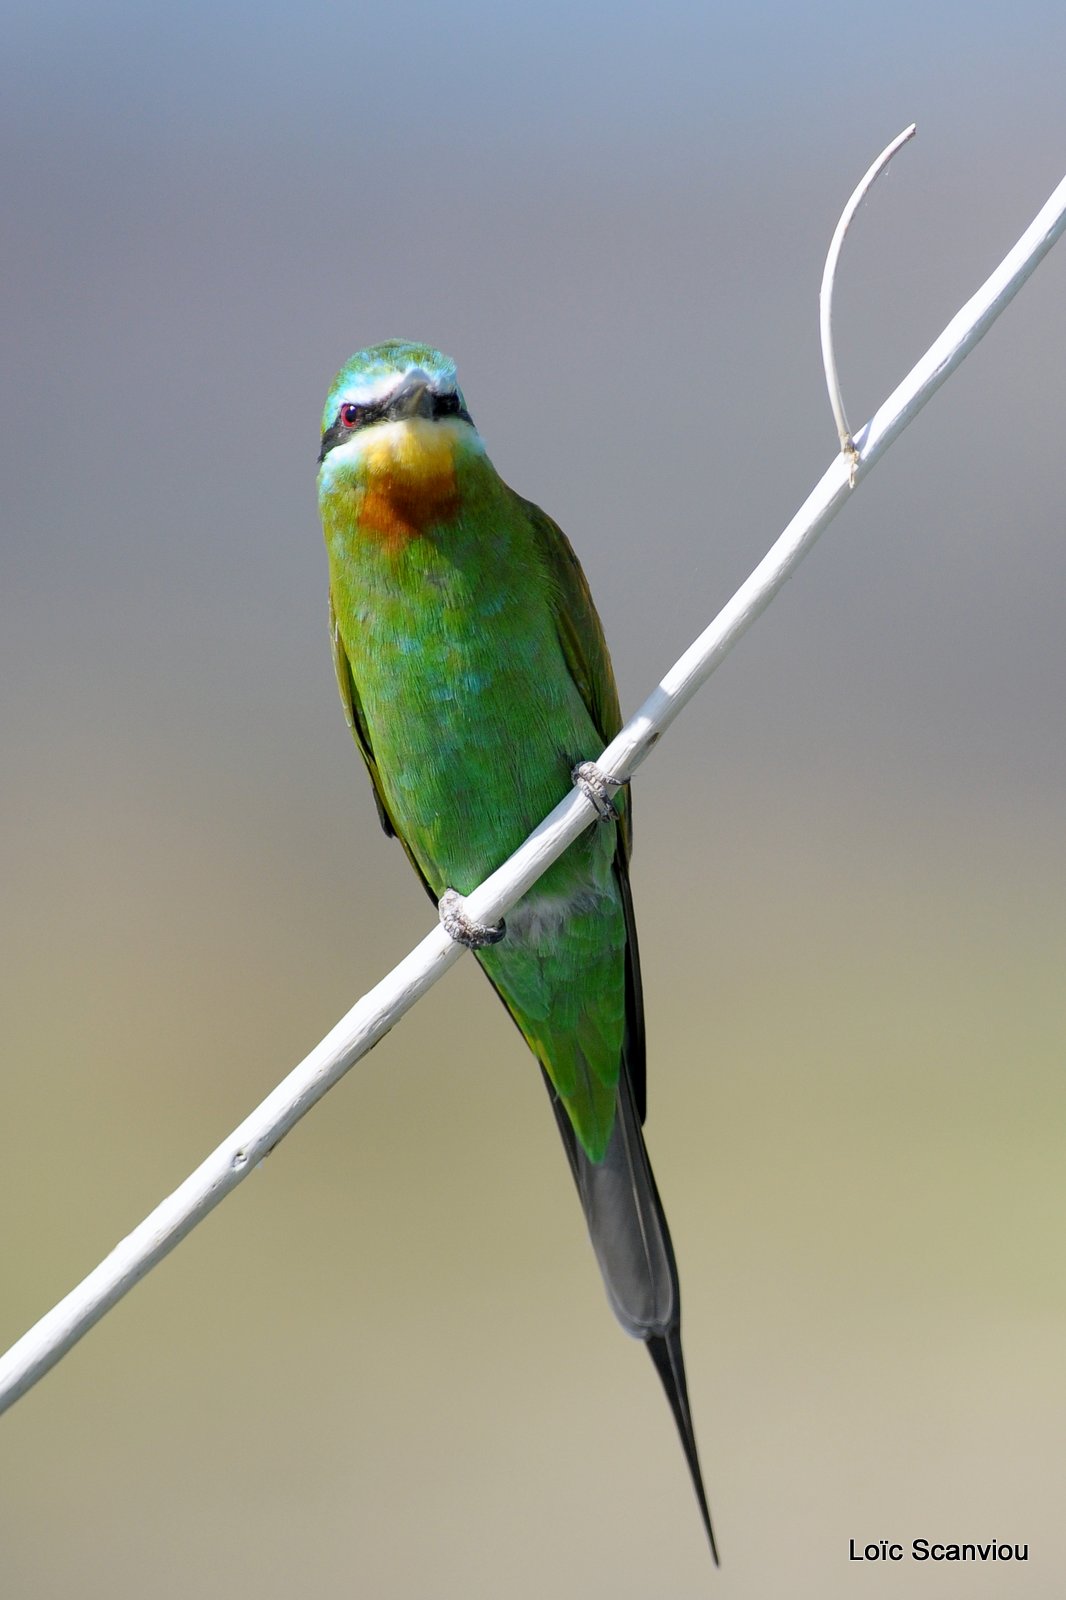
x: 375, y: 372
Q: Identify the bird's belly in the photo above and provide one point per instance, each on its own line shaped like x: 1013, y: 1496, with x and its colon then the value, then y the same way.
x: 474, y: 746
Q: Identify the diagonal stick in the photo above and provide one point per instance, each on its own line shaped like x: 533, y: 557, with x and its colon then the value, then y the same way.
x: 372, y: 1016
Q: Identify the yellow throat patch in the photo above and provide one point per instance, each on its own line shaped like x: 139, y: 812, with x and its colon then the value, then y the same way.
x: 410, y: 479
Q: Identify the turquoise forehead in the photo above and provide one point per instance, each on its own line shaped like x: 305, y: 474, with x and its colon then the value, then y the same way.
x: 375, y: 370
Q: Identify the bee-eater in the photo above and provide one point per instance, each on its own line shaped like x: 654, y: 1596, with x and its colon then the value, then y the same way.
x: 474, y: 674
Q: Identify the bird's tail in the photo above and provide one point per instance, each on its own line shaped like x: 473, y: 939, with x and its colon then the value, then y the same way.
x: 629, y: 1234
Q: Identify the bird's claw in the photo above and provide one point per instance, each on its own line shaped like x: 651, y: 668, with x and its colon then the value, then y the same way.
x: 595, y: 786
x: 460, y: 926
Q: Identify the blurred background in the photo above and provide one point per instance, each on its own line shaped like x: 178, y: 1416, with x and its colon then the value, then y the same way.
x: 385, y: 1366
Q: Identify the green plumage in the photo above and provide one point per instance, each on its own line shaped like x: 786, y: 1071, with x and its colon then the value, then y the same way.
x: 474, y: 675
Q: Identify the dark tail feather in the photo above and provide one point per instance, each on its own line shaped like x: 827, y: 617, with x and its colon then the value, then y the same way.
x: 629, y: 1234
x: 665, y: 1351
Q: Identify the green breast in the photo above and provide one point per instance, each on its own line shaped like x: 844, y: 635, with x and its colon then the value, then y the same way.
x: 475, y: 724
x: 470, y: 709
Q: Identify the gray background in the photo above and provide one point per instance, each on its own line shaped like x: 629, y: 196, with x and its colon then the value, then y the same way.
x: 385, y: 1367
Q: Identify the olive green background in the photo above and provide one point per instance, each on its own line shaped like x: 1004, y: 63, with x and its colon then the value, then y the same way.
x: 385, y: 1367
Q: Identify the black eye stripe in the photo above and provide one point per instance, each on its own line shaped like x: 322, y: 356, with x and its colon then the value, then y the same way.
x: 364, y: 416
x: 340, y: 430
x: 450, y: 405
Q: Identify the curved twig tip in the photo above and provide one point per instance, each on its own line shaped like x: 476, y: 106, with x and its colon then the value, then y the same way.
x: 825, y: 298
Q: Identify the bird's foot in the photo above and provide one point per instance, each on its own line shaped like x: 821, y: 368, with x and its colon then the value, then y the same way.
x: 458, y: 925
x: 595, y: 786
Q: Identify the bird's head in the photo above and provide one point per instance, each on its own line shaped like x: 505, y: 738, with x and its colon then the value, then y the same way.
x: 390, y: 403
x: 394, y: 430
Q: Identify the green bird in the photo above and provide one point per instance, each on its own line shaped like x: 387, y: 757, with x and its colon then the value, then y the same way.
x: 474, y: 675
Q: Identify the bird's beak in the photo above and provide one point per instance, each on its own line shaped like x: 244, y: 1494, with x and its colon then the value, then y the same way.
x: 410, y: 399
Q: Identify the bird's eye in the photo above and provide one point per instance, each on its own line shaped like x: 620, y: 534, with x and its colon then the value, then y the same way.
x: 350, y: 414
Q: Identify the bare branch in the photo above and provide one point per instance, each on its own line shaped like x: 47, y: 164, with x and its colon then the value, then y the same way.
x: 372, y: 1017
x: 825, y: 297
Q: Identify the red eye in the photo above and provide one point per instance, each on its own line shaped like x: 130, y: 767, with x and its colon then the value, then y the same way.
x: 350, y: 415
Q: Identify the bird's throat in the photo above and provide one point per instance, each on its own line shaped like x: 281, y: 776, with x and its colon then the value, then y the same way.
x: 409, y: 481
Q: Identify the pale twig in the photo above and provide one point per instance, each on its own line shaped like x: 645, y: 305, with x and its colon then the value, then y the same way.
x: 825, y: 297
x: 372, y: 1017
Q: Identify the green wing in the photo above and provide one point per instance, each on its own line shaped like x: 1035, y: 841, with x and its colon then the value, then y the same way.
x: 584, y: 646
x: 585, y: 650
x: 353, y: 715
